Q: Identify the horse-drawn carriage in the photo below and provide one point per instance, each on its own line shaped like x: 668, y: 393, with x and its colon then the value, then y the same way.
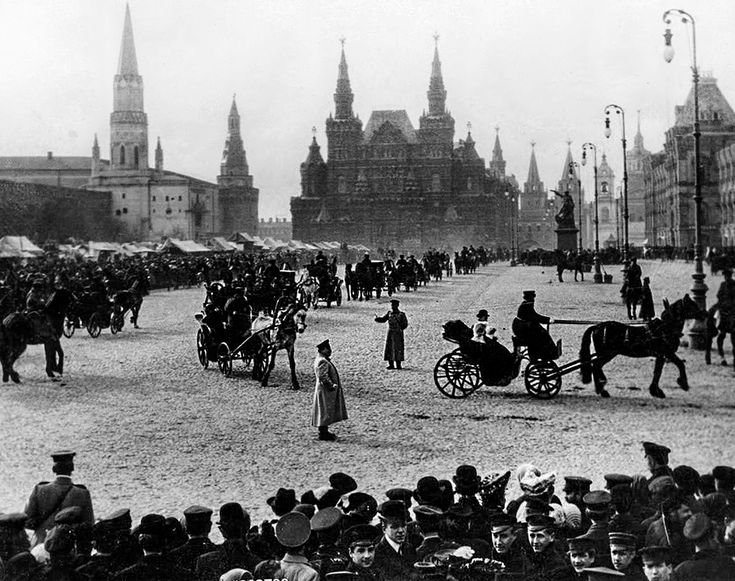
x: 329, y: 291
x: 369, y: 277
x: 93, y: 314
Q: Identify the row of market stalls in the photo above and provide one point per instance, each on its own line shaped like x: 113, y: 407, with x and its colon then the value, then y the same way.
x: 22, y: 247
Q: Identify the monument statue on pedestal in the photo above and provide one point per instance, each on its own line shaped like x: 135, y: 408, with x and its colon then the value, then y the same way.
x: 566, y: 231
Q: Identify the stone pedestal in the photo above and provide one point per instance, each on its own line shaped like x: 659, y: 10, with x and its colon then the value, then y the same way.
x: 566, y: 239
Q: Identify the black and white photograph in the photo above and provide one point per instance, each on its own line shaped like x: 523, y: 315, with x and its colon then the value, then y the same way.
x: 369, y: 290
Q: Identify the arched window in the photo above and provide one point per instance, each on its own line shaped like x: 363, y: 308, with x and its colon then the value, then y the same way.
x: 436, y: 183
x: 122, y: 155
x: 136, y: 156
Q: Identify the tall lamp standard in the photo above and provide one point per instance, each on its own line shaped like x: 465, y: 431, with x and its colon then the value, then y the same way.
x: 596, y: 259
x: 619, y: 110
x: 699, y: 289
x: 572, y: 166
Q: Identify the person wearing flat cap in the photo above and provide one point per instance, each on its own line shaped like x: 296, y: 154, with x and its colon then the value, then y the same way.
x: 507, y: 543
x: 546, y: 559
x: 292, y: 532
x: 13, y: 538
x: 394, y: 556
x: 198, y: 525
x: 234, y: 553
x: 657, y: 563
x: 622, y: 554
x: 329, y: 401
x: 394, y: 344
x: 708, y: 561
x: 581, y: 555
x: 328, y: 556
x: 154, y: 565
x: 657, y: 459
x: 360, y: 542
x: 528, y: 328
x: 48, y: 498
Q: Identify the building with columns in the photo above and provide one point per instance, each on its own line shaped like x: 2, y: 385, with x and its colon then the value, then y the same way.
x: 152, y: 202
x: 390, y: 185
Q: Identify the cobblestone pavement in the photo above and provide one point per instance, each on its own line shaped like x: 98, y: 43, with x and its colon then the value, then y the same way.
x: 155, y: 432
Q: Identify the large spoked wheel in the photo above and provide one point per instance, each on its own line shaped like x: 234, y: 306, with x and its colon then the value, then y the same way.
x: 202, y: 348
x: 224, y: 359
x: 69, y: 326
x: 93, y: 326
x: 455, y: 377
x: 543, y: 379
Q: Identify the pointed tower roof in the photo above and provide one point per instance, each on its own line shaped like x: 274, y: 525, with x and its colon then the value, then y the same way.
x: 343, y: 75
x: 565, y: 170
x: 533, y: 177
x: 95, y: 144
x: 497, y: 150
x: 343, y: 96
x: 234, y: 160
x: 233, y: 107
x: 128, y: 63
x: 315, y: 156
x: 711, y: 102
x: 437, y: 95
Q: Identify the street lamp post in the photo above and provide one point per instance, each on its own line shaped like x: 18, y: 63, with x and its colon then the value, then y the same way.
x: 572, y: 166
x: 512, y: 200
x: 596, y: 259
x: 699, y: 289
x: 619, y: 110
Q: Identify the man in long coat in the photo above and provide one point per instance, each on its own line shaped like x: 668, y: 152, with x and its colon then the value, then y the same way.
x: 397, y: 322
x: 329, y: 401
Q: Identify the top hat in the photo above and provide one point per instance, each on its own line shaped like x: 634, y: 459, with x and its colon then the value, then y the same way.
x: 482, y: 313
x: 529, y: 295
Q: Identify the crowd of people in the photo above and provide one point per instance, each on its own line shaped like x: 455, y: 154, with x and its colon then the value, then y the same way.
x: 672, y: 524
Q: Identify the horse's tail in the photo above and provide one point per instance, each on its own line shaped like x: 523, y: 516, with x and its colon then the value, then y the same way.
x: 584, y: 355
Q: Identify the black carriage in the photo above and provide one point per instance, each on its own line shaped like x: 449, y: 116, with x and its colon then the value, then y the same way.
x: 329, y: 291
x: 93, y: 315
x: 472, y: 364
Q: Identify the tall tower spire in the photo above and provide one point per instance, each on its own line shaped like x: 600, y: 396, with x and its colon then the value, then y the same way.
x: 343, y: 97
x: 533, y: 182
x: 497, y: 165
x: 234, y: 161
x: 437, y: 94
x: 95, y: 156
x: 638, y: 139
x: 159, y: 156
x: 128, y: 122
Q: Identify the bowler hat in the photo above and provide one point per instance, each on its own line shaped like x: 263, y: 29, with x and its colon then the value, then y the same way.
x: 293, y: 529
x: 283, y: 501
x: 231, y: 512
x: 427, y: 491
x: 402, y: 494
x: 686, y: 478
x: 392, y: 511
x: 466, y: 480
x: 152, y: 524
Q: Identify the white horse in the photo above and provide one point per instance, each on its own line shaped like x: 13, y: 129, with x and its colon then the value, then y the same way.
x: 284, y: 329
x: 308, y: 291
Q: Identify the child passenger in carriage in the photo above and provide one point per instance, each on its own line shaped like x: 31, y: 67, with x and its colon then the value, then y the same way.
x: 482, y: 331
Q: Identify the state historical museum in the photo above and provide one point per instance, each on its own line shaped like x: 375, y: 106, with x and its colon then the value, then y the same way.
x: 389, y: 185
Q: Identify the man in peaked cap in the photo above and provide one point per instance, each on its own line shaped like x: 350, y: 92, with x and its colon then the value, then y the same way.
x: 153, y: 565
x: 126, y: 550
x: 234, y: 523
x: 708, y: 561
x: 394, y: 342
x: 13, y: 538
x: 198, y: 525
x: 545, y: 560
x: 657, y: 458
x: 360, y: 542
x: 329, y: 401
x: 507, y: 543
x: 394, y: 556
x: 581, y: 555
x: 622, y: 554
x: 48, y: 498
x: 292, y: 531
x: 328, y: 556
x: 657, y: 564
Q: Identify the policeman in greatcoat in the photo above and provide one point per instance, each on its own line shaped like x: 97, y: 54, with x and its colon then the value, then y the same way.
x: 48, y: 498
x: 397, y: 323
x: 329, y: 401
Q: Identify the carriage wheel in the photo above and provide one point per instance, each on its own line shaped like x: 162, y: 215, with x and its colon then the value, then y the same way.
x: 93, y: 326
x: 69, y: 326
x: 339, y: 297
x: 117, y: 321
x: 202, y: 348
x: 543, y: 379
x: 455, y: 377
x: 224, y: 359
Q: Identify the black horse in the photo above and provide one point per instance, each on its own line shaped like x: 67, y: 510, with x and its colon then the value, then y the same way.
x: 289, y: 323
x: 720, y: 324
x: 17, y: 331
x: 130, y: 299
x: 658, y: 338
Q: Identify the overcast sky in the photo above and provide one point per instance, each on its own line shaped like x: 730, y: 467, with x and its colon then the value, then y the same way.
x: 541, y: 70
